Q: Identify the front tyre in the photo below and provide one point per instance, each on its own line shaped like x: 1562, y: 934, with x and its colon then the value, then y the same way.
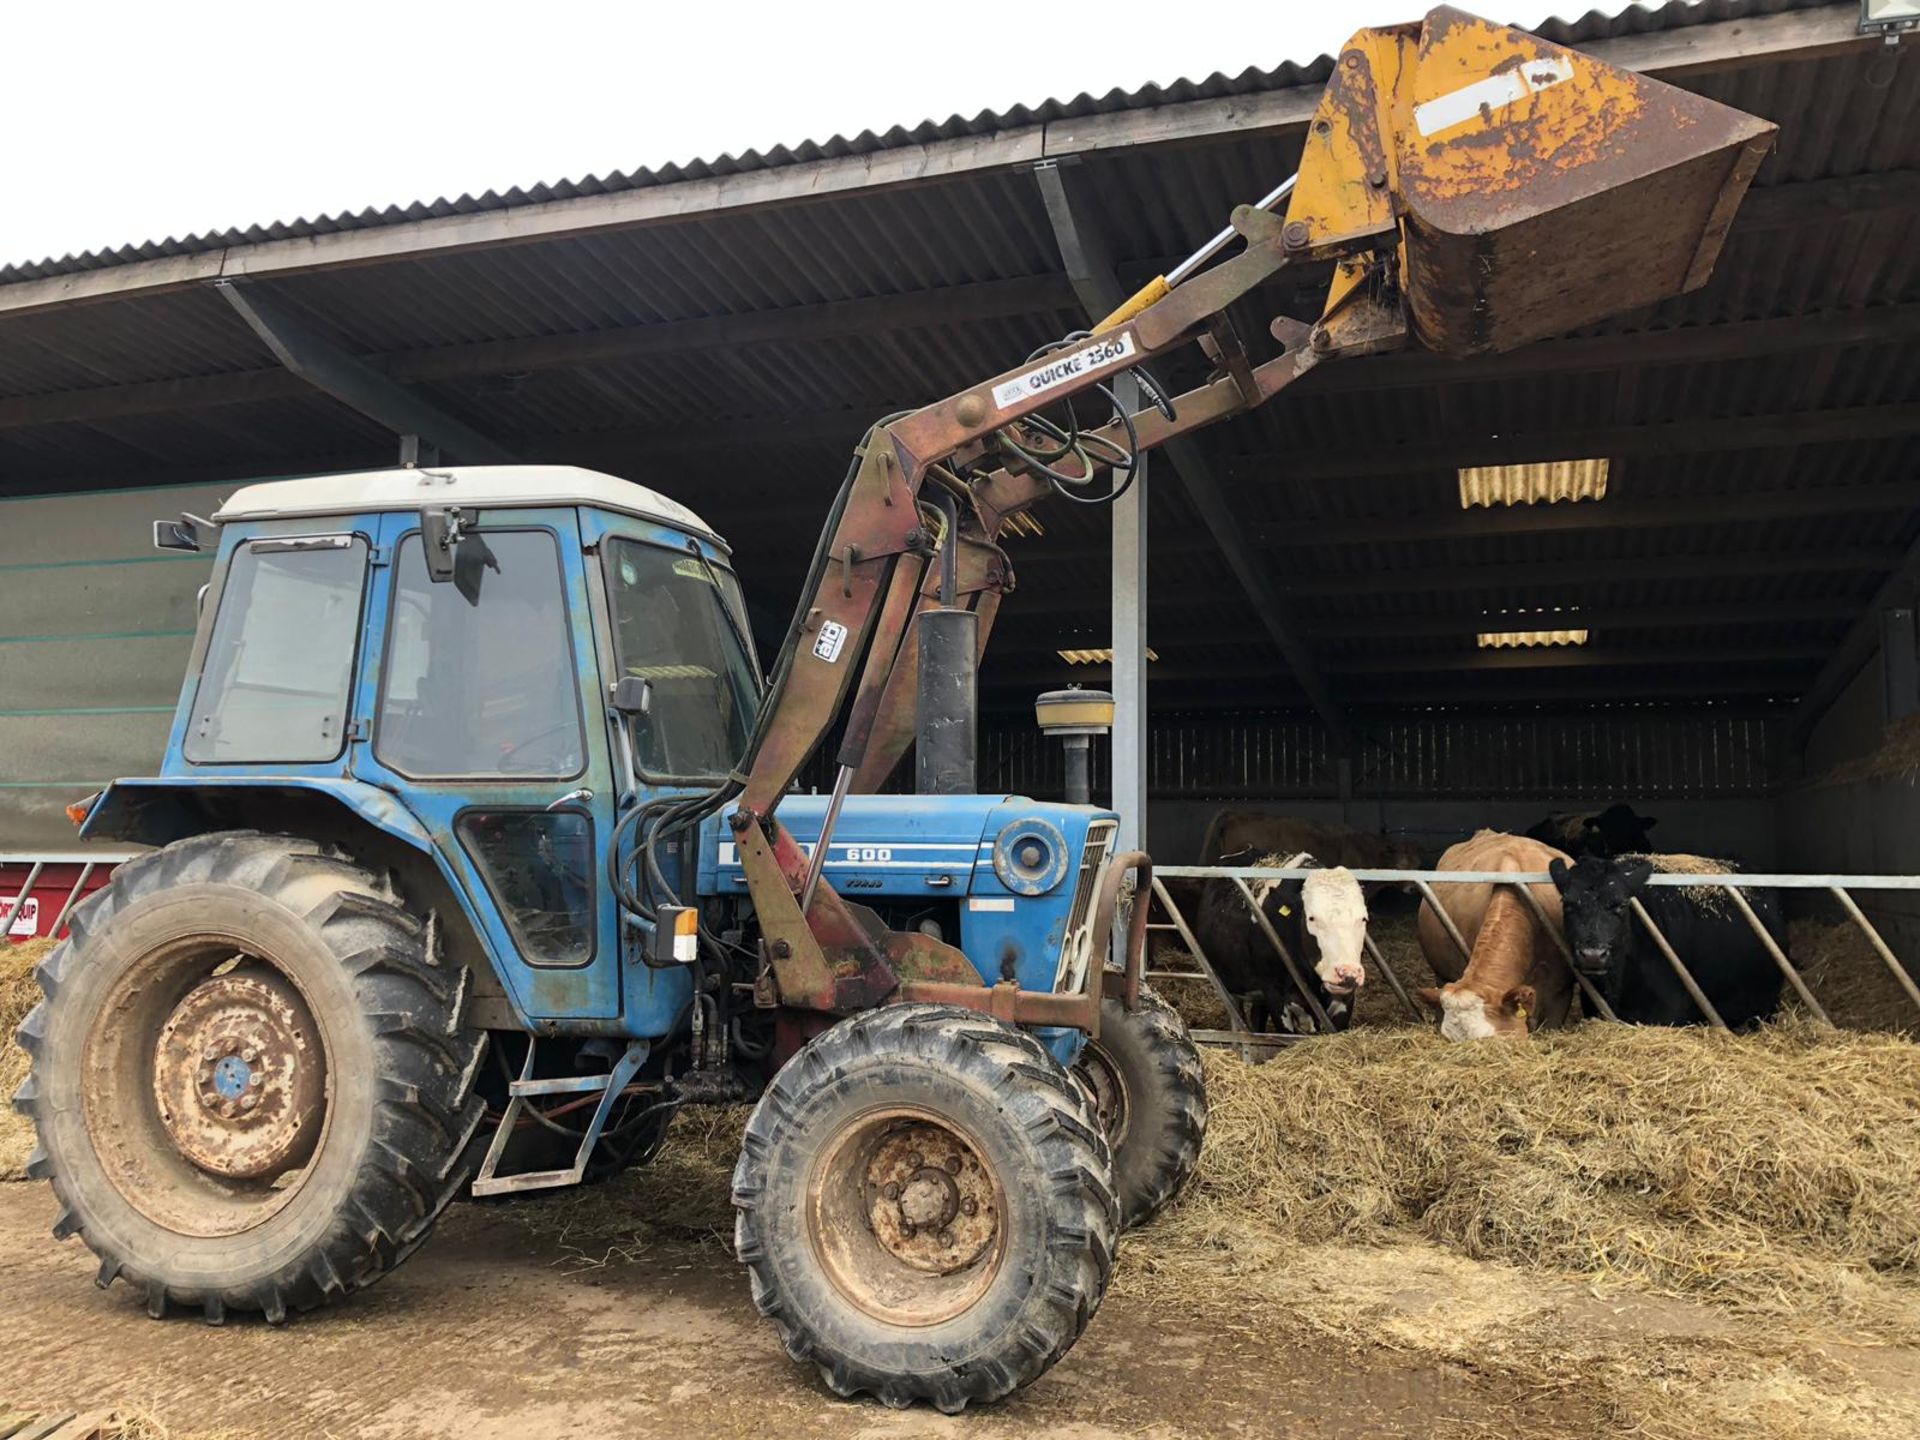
x: 925, y: 1207
x: 252, y: 1084
x: 1150, y: 1094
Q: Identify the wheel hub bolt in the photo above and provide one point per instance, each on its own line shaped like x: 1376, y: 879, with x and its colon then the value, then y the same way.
x: 249, y: 1102
x: 248, y: 1055
x: 892, y: 1192
x: 907, y: 1228
x: 916, y: 1161
x: 969, y: 1206
x: 953, y: 1164
x: 254, y: 1079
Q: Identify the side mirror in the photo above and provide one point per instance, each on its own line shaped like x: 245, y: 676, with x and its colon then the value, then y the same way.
x: 632, y: 695
x: 189, y: 533
x: 440, y: 531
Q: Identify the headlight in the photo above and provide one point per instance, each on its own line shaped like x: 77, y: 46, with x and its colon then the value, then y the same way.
x: 1030, y: 856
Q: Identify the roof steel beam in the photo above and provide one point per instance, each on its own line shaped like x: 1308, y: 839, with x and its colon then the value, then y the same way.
x: 1670, y: 54
x: 1015, y: 639
x: 1027, y: 295
x: 1862, y: 639
x: 1683, y: 437
x: 1494, y: 522
x: 1686, y: 345
x: 355, y: 384
x: 1089, y: 263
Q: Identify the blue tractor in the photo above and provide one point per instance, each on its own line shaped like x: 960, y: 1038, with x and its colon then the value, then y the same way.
x: 442, y: 899
x: 478, y: 852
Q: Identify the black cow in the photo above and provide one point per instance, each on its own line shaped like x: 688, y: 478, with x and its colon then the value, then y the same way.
x: 1328, y: 951
x: 1616, y: 830
x: 1708, y: 933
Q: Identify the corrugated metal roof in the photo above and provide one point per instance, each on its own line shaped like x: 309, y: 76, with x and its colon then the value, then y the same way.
x: 1639, y: 19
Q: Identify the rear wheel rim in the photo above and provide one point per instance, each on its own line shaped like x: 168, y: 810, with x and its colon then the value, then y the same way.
x: 906, y: 1216
x: 205, y: 1087
x: 1108, y: 1089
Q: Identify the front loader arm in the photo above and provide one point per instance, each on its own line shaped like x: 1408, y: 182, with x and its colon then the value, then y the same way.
x: 1449, y: 171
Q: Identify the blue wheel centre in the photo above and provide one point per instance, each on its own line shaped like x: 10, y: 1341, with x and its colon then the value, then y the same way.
x: 230, y: 1077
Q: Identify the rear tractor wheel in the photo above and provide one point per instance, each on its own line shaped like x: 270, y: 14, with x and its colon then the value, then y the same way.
x: 251, y: 1084
x: 925, y: 1207
x: 1150, y: 1094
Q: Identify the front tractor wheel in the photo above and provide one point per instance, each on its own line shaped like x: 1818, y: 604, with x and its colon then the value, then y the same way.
x: 251, y: 1082
x: 1150, y: 1094
x: 925, y: 1207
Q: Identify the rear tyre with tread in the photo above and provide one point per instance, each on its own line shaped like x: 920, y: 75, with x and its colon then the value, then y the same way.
x: 1150, y: 1095
x: 925, y: 1207
x: 252, y: 1083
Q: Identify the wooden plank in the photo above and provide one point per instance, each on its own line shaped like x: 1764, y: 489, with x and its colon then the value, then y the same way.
x: 1671, y: 54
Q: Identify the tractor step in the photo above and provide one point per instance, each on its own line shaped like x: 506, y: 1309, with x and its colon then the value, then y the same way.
x: 610, y: 1086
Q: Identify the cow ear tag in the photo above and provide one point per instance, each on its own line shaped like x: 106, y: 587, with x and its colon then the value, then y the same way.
x: 1286, y: 910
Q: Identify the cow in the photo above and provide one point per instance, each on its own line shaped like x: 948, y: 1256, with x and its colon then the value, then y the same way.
x: 1702, y: 924
x: 1515, y: 980
x: 1616, y: 830
x: 1330, y: 843
x: 1322, y: 921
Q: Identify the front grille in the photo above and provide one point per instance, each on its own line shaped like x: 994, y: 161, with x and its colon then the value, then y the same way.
x: 1078, y: 947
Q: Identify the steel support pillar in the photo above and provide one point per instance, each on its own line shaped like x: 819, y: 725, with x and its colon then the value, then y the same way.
x: 1129, y: 745
x: 1096, y: 284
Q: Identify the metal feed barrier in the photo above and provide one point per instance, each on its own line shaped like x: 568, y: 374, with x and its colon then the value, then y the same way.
x: 1241, y: 1036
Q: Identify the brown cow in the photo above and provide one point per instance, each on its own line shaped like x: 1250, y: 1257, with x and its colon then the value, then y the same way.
x: 1516, y: 979
x: 1328, y: 841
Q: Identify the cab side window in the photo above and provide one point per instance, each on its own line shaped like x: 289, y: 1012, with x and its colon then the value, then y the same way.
x: 479, y: 679
x: 279, y: 666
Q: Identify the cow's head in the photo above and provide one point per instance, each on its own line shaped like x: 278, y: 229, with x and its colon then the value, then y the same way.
x: 1336, y: 916
x: 1474, y: 1012
x: 1595, y: 901
x: 1619, y: 830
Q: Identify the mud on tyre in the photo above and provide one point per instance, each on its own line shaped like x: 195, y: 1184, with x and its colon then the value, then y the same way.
x: 1150, y: 1095
x: 251, y: 1082
x: 925, y: 1208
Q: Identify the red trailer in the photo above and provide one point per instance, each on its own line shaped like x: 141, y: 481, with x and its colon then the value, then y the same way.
x: 37, y: 891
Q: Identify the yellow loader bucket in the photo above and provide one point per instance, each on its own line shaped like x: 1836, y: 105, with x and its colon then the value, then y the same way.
x: 1536, y: 189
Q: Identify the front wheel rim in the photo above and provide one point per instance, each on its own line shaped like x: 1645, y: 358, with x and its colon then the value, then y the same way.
x: 906, y: 1216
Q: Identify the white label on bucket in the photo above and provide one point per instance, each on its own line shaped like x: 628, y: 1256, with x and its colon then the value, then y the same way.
x: 1493, y: 94
x: 1064, y: 368
x: 827, y: 643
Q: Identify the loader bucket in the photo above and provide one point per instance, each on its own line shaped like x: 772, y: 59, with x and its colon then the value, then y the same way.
x: 1541, y: 189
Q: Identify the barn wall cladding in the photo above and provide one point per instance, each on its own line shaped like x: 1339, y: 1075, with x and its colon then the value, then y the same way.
x: 1639, y: 752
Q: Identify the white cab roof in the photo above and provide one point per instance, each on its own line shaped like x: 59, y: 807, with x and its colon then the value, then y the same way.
x: 481, y: 486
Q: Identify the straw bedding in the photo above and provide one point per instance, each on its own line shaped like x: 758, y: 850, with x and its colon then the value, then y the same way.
x: 18, y: 994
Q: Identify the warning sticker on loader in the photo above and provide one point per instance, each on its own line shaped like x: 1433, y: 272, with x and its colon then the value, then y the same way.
x: 1064, y: 368
x: 827, y: 643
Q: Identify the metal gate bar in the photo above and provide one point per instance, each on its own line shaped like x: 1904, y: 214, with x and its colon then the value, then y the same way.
x: 1838, y: 886
x: 1685, y: 975
x: 1779, y: 956
x: 86, y: 874
x: 1888, y: 958
x: 1235, y: 1020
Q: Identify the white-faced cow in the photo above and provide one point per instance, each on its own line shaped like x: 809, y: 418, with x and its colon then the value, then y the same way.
x: 1516, y: 979
x: 1703, y: 925
x: 1616, y: 830
x: 1322, y: 920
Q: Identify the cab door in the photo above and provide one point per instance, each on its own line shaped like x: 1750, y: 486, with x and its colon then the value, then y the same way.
x: 479, y: 718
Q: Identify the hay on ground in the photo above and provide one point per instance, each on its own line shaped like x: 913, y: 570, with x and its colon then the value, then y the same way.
x: 19, y: 993
x: 1773, y: 1172
x: 1848, y: 978
x: 1896, y: 758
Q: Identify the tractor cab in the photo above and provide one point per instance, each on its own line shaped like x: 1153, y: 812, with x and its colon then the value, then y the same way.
x: 489, y: 668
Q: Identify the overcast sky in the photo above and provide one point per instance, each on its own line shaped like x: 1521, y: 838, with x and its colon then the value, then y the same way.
x: 132, y: 122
